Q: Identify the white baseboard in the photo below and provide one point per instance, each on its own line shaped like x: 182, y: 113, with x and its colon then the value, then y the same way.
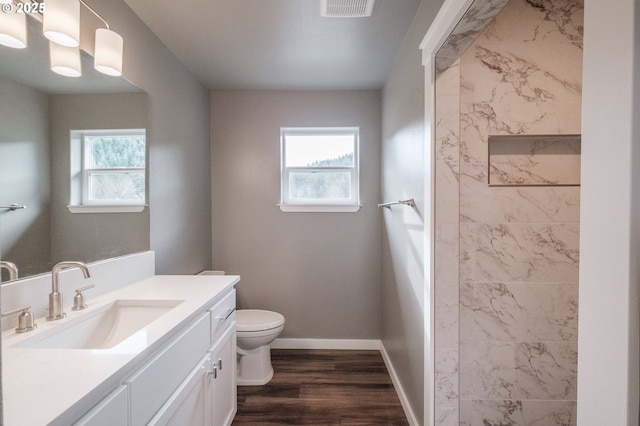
x: 404, y: 401
x: 336, y: 344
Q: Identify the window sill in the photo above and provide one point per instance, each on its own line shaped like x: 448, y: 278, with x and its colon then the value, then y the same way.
x: 317, y: 208
x: 107, y: 208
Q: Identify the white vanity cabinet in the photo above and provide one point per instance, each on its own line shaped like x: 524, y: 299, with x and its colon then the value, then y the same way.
x: 177, y: 368
x: 156, y: 383
x: 190, y: 381
x: 223, y: 359
x: 206, y: 395
x: 112, y: 410
x: 190, y: 404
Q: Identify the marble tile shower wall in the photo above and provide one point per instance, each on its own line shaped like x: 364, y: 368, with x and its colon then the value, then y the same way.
x: 447, y: 245
x: 507, y: 257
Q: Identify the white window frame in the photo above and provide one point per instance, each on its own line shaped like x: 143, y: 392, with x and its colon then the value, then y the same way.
x: 80, y: 174
x: 324, y: 205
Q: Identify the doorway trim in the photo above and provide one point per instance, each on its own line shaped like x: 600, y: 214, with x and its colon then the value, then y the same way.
x: 454, y: 28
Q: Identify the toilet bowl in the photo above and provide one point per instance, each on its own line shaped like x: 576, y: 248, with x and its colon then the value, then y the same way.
x: 256, y: 329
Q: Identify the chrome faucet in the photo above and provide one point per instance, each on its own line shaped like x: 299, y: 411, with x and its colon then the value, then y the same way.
x: 55, y: 297
x: 11, y: 267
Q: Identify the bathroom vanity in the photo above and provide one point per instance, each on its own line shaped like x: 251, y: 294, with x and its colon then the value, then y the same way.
x: 159, y: 351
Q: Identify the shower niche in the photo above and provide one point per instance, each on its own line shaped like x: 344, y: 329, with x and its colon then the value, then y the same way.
x: 534, y: 160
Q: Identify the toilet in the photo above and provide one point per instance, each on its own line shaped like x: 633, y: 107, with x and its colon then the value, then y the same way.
x: 256, y: 329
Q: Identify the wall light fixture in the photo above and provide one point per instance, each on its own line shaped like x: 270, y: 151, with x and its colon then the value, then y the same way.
x: 65, y: 60
x: 13, y: 27
x: 108, y: 52
x: 61, y: 22
x: 61, y: 25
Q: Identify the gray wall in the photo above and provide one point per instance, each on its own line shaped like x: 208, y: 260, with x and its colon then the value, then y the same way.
x: 403, y: 175
x: 24, y: 177
x: 179, y: 166
x: 92, y: 236
x: 320, y: 270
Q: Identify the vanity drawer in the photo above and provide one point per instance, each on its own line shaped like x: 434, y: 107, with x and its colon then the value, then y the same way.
x: 223, y: 313
x: 112, y: 410
x: 158, y: 379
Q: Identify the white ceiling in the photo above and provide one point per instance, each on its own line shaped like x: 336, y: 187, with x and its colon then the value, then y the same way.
x: 279, y: 44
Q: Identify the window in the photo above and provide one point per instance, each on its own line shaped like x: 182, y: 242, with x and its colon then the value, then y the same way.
x: 108, y: 170
x: 319, y: 169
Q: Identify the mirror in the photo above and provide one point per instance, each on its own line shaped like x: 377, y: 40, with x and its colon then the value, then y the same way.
x: 38, y: 109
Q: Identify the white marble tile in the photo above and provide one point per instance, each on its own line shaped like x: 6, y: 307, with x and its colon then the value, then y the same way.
x: 487, y: 370
x: 483, y: 204
x: 446, y: 377
x: 491, y: 413
x: 446, y: 316
x: 562, y: 78
x: 447, y: 129
x: 478, y: 16
x: 448, y: 81
x: 518, y: 246
x: 517, y: 412
x: 446, y: 416
x: 522, y: 118
x: 546, y: 370
x: 521, y: 46
x: 519, y: 312
x: 545, y: 20
x: 519, y: 252
x: 549, y: 413
x: 447, y: 193
x: 518, y: 72
x: 477, y: 121
x: 446, y: 253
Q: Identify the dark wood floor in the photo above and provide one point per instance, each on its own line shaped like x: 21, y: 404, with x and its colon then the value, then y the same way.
x: 318, y: 387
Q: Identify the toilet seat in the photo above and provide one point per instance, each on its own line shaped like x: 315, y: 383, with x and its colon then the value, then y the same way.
x: 253, y: 320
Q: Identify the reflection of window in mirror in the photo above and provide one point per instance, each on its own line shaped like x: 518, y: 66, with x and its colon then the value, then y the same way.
x: 108, y: 170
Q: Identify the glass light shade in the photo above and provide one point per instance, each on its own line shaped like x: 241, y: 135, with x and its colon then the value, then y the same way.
x: 13, y: 30
x: 61, y: 22
x: 65, y: 60
x: 108, y: 52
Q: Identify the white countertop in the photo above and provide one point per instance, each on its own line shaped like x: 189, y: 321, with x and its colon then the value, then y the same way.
x: 56, y: 386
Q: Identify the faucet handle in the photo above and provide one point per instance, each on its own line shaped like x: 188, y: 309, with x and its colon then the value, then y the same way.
x: 78, y: 299
x: 25, y: 319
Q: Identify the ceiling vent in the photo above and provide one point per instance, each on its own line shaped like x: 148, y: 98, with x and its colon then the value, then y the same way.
x: 346, y: 8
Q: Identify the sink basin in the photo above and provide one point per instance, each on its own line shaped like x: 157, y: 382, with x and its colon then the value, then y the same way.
x: 103, y: 328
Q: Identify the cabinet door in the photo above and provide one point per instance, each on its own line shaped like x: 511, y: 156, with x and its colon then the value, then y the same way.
x: 190, y: 404
x: 157, y: 381
x: 223, y: 391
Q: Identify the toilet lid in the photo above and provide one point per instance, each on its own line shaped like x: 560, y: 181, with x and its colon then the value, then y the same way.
x: 257, y: 320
